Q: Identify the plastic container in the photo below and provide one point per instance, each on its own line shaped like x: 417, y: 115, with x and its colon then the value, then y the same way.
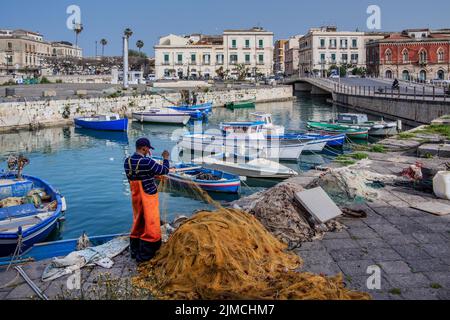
x: 441, y: 185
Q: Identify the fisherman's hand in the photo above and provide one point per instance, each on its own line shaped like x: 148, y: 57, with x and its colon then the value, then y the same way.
x: 166, y: 155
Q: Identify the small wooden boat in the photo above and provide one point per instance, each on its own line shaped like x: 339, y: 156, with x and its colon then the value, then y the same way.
x: 103, y: 123
x: 314, y: 141
x: 207, y: 179
x: 198, y: 111
x: 248, y: 104
x: 352, y: 132
x: 246, y: 166
x: 376, y: 128
x: 162, y: 115
x: 30, y: 210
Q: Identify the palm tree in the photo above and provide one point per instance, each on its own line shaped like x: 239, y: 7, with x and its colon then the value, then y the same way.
x: 103, y: 42
x: 77, y: 28
x: 128, y: 33
x: 140, y: 45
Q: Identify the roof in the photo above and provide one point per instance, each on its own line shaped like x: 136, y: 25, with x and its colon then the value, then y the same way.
x: 255, y: 29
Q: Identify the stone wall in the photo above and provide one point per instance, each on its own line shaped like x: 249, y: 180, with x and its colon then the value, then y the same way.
x: 23, y: 115
x: 411, y: 112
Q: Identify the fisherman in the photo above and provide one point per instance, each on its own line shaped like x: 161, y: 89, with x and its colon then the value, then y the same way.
x: 141, y: 170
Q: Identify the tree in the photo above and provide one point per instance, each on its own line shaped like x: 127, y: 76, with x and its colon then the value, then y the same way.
x: 128, y: 33
x: 77, y: 28
x: 140, y: 45
x: 242, y: 71
x: 103, y: 42
x: 222, y: 74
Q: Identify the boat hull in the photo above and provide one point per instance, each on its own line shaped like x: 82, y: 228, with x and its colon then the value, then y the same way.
x: 241, y: 105
x: 209, y: 186
x: 165, y: 118
x: 113, y: 125
x: 351, y: 133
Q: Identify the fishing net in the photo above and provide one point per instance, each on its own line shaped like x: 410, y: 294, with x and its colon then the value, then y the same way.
x: 279, y: 212
x: 228, y: 254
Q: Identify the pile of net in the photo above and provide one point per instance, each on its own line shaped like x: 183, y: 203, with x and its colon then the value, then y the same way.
x: 228, y: 254
x: 347, y: 185
x: 280, y: 213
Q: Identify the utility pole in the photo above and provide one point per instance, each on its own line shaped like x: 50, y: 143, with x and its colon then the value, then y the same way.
x: 125, y: 62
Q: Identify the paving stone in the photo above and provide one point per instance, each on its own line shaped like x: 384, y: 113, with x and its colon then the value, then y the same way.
x: 398, y: 219
x: 375, y: 219
x: 328, y: 269
x: 401, y: 240
x: 411, y: 227
x: 426, y: 219
x: 437, y: 250
x: 34, y: 270
x: 10, y: 277
x: 384, y: 254
x: 406, y: 281
x: 316, y: 257
x: 421, y: 294
x: 21, y: 292
x: 399, y: 204
x: 394, y: 267
x: 58, y: 289
x: 446, y: 260
x: 359, y: 283
x: 373, y: 243
x: 340, y: 244
x: 337, y: 235
x: 428, y: 237
x: 441, y: 278
x: 386, y: 230
x: 438, y: 227
x: 349, y: 254
x: 315, y: 245
x: 362, y: 233
x: 444, y: 294
x: 353, y: 222
x: 411, y: 251
x: 355, y: 268
x: 381, y: 296
x: 428, y: 265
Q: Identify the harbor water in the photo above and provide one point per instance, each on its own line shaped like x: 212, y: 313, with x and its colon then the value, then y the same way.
x: 87, y: 166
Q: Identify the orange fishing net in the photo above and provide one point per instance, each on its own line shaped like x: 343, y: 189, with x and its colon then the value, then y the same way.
x: 228, y: 254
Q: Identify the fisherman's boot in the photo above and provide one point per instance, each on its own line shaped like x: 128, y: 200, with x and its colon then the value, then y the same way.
x: 134, y: 247
x: 147, y: 251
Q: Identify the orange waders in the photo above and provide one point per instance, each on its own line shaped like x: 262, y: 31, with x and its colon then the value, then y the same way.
x: 146, y: 232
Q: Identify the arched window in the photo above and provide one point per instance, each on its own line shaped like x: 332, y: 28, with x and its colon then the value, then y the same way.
x: 405, y: 55
x: 388, y: 74
x: 441, y: 75
x: 423, y: 56
x: 388, y: 55
x: 441, y: 55
x: 423, y: 76
x: 405, y: 75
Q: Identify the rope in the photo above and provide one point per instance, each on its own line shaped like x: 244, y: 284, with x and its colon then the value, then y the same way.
x: 18, y: 249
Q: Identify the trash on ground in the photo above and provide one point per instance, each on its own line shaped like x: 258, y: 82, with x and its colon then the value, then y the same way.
x: 101, y: 256
x: 228, y: 254
x: 318, y: 204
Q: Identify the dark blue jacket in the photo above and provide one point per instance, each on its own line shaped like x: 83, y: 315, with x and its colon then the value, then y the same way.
x: 140, y: 168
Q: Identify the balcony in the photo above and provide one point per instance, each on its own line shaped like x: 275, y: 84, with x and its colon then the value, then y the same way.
x: 247, y: 63
x: 206, y: 63
x: 423, y: 62
x: 179, y: 63
x: 233, y: 62
x: 261, y: 63
x: 166, y: 63
x: 193, y: 63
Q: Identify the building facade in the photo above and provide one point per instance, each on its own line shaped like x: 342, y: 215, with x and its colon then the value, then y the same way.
x: 323, y: 48
x: 204, y: 56
x: 25, y: 52
x: 416, y: 55
x: 279, y: 56
x: 292, y: 56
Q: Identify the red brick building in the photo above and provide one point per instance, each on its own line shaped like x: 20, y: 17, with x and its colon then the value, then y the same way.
x: 415, y: 54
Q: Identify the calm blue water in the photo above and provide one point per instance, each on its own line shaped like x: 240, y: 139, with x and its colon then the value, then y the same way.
x: 87, y: 167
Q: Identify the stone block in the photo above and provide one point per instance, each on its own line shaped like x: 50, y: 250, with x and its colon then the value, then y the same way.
x: 48, y: 93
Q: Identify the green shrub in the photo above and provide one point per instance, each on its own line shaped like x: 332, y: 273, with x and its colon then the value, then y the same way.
x: 44, y: 80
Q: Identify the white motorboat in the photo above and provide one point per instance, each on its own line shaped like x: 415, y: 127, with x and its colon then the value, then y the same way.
x: 269, y: 129
x: 162, y: 115
x: 244, y: 138
x: 246, y: 167
x: 376, y: 128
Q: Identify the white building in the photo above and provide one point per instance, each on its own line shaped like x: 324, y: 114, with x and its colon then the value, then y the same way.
x: 292, y: 56
x: 201, y: 56
x: 322, y: 48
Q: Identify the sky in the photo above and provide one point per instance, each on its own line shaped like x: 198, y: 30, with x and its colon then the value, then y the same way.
x: 152, y: 19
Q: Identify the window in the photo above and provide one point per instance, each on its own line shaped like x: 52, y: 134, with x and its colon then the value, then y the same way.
x: 405, y: 56
x: 388, y: 55
x: 233, y: 59
x: 405, y: 75
x: 9, y: 45
x: 247, y: 59
x: 166, y: 58
x: 247, y: 44
x: 180, y: 58
x: 441, y: 75
x: 193, y: 58
x: 261, y: 43
x: 322, y: 43
x: 206, y: 58
x: 234, y: 44
x: 333, y: 58
x: 261, y: 59
x: 219, y: 58
x: 441, y: 56
x: 344, y: 58
x: 322, y: 57
x: 423, y: 56
x: 355, y: 58
x: 354, y: 43
x: 333, y: 43
x: 344, y: 43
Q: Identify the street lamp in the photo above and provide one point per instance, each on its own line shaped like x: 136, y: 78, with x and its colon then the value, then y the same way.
x: 126, y: 36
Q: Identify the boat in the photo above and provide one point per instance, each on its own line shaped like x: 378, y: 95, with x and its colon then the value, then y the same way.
x: 246, y: 104
x: 160, y: 115
x: 376, y: 128
x: 315, y: 142
x: 352, y: 132
x: 207, y: 179
x: 31, y: 210
x: 55, y: 249
x: 103, y: 123
x: 196, y: 112
x: 244, y: 138
x: 246, y: 166
x: 269, y: 128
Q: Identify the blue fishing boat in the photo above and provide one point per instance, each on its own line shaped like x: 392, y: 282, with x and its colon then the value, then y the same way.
x: 331, y: 140
x: 195, y: 111
x: 208, y: 180
x: 48, y: 250
x: 103, y: 123
x: 30, y: 209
